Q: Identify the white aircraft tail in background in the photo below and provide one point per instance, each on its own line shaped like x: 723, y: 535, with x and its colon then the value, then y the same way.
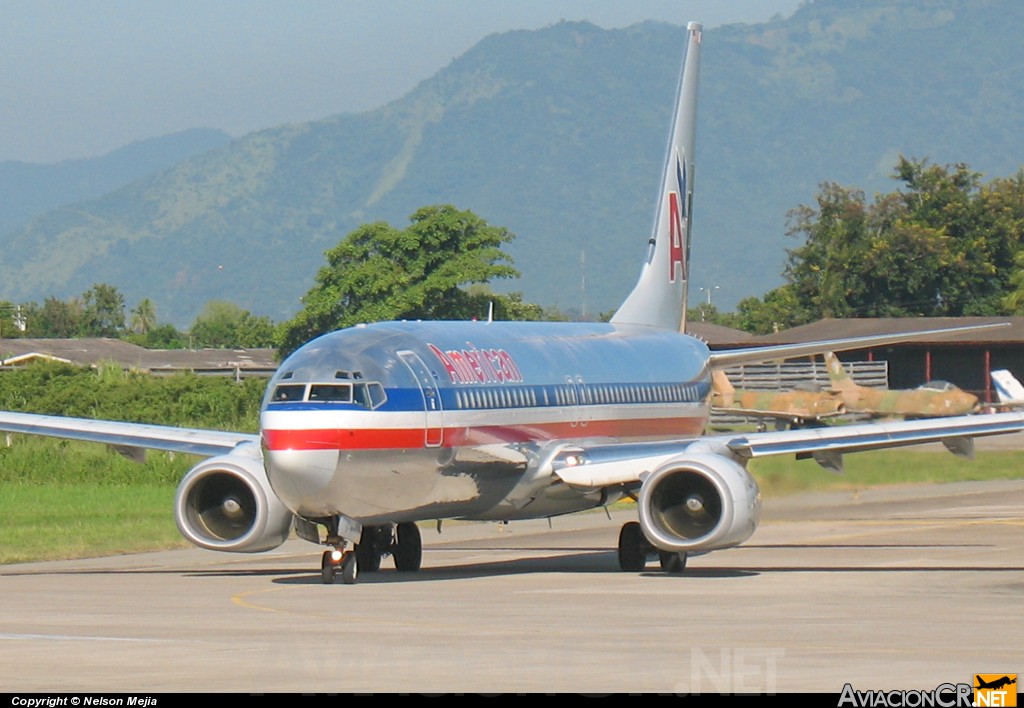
x: 1008, y: 388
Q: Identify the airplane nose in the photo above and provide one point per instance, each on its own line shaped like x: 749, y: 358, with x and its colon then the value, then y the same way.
x: 300, y: 478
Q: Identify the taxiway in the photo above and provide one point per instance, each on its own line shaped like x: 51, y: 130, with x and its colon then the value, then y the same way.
x: 905, y: 587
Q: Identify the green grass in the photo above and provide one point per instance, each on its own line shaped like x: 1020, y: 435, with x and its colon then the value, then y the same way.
x: 63, y: 499
x: 85, y: 520
x: 784, y: 475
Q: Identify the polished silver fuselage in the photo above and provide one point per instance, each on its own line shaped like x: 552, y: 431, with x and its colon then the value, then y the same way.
x: 470, y: 415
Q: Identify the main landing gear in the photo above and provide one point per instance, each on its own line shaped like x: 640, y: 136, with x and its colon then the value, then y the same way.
x: 402, y: 542
x: 635, y: 549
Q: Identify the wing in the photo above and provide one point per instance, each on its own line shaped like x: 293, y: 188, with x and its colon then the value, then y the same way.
x: 722, y: 359
x: 603, y: 466
x: 127, y: 435
x: 793, y: 414
x: 780, y: 416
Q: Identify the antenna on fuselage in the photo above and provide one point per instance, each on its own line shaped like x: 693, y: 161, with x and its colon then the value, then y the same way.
x: 490, y: 312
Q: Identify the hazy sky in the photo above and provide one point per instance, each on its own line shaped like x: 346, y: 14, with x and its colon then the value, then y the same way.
x: 82, y: 77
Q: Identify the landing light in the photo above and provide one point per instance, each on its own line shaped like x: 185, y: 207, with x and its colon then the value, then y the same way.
x: 336, y: 555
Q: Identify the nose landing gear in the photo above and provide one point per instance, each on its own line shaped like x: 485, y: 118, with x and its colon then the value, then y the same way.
x: 337, y: 562
x: 401, y: 541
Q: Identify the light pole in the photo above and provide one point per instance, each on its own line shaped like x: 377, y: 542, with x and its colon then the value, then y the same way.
x: 18, y: 319
x: 709, y: 291
x: 703, y: 310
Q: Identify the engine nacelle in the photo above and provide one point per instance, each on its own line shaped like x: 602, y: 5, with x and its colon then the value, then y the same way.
x: 225, y: 503
x: 699, y: 502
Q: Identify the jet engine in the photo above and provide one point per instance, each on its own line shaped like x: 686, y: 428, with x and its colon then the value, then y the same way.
x: 225, y: 503
x: 699, y: 502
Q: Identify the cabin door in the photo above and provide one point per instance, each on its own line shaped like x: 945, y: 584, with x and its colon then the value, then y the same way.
x: 433, y: 425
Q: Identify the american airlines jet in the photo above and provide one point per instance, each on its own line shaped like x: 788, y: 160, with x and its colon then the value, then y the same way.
x: 368, y: 430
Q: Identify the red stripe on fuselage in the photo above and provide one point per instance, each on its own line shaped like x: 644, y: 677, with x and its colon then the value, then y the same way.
x: 405, y: 438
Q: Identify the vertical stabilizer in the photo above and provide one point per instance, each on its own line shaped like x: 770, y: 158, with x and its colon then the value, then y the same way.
x: 722, y: 391
x: 1008, y: 388
x: 837, y: 375
x: 659, y: 298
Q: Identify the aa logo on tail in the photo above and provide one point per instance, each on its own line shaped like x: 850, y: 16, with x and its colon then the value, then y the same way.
x: 677, y: 219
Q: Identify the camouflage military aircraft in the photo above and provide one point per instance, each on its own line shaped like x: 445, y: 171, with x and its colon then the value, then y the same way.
x: 796, y: 408
x: 929, y: 400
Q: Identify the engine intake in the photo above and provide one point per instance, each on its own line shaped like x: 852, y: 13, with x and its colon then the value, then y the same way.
x: 226, y: 504
x: 699, y: 502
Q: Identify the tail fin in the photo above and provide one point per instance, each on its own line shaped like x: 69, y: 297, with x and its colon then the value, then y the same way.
x: 841, y: 380
x: 659, y: 298
x: 1008, y: 388
x: 722, y: 390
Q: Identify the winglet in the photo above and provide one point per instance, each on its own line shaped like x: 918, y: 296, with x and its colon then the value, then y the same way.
x: 659, y: 297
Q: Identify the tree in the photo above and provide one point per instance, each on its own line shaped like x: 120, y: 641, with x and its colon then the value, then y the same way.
x: 13, y: 322
x: 165, y: 336
x: 224, y: 324
x: 144, y: 316
x: 777, y: 310
x: 55, y: 318
x: 943, y: 245
x: 379, y: 272
x: 103, y: 311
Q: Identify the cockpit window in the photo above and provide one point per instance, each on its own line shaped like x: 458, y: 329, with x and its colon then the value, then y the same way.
x: 937, y: 385
x: 368, y: 395
x: 289, y: 392
x: 377, y: 395
x: 331, y: 393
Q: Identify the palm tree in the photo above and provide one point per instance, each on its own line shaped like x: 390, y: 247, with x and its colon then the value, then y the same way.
x: 144, y: 316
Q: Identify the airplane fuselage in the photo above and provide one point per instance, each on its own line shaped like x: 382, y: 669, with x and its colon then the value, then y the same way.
x: 413, y: 420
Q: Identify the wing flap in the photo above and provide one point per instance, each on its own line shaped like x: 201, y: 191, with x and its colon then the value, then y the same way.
x: 206, y: 443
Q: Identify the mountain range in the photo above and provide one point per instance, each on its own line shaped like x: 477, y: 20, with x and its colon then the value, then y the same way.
x: 557, y: 134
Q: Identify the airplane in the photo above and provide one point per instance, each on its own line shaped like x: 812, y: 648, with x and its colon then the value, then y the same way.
x: 929, y: 400
x: 1009, y: 390
x: 996, y: 683
x: 797, y: 408
x: 368, y: 430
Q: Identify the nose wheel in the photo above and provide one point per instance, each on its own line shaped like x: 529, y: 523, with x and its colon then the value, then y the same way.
x: 339, y: 563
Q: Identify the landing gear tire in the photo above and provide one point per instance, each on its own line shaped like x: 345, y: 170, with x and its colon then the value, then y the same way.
x: 368, y: 557
x: 672, y: 562
x: 349, y: 568
x: 632, y: 548
x: 328, y: 568
x: 408, y: 551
